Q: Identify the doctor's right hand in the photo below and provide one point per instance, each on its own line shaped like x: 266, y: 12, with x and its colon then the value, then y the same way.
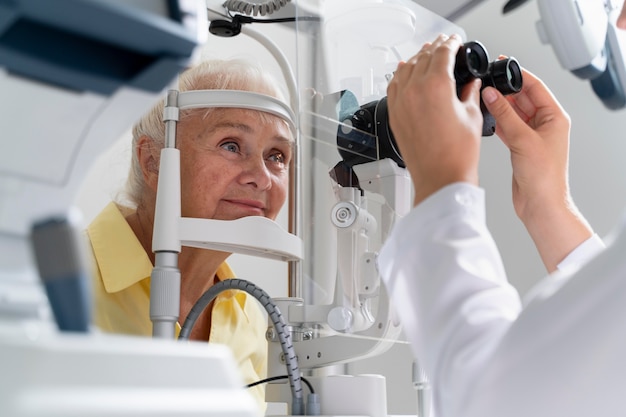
x: 536, y: 129
x: 437, y: 133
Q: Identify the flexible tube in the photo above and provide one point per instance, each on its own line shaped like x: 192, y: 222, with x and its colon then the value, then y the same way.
x: 293, y: 371
x: 250, y: 8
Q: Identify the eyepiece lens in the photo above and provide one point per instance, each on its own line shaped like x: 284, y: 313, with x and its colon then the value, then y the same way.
x: 472, y: 61
x: 505, y: 75
x: 473, y: 58
x: 514, y: 75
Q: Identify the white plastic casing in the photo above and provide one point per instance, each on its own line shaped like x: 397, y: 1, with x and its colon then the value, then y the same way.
x: 576, y: 29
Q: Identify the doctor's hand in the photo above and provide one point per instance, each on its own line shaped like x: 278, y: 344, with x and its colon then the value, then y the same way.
x: 536, y: 129
x: 437, y: 133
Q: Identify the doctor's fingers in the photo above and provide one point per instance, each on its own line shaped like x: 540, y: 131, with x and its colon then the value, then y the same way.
x: 511, y: 122
x: 418, y: 63
x: 444, y: 54
x: 436, y: 58
x: 535, y: 98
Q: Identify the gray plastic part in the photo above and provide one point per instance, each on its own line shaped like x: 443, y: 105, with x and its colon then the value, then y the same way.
x: 93, y: 45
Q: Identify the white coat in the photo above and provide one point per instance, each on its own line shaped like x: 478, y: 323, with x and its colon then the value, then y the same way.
x: 560, y: 353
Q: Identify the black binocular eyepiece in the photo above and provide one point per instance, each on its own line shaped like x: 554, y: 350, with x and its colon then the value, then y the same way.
x: 472, y: 62
x: 354, y: 136
x: 505, y: 75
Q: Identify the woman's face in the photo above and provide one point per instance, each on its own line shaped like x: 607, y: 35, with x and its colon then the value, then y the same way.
x: 234, y: 163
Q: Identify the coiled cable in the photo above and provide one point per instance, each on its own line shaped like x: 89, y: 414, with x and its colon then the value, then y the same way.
x: 254, y: 9
x: 293, y: 371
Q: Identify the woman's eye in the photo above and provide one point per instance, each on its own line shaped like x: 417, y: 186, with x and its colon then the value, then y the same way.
x: 230, y: 146
x: 277, y: 157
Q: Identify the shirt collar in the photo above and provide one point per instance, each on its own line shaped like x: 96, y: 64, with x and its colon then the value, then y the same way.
x: 120, y: 256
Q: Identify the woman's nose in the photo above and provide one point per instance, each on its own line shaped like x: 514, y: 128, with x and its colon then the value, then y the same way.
x: 257, y: 173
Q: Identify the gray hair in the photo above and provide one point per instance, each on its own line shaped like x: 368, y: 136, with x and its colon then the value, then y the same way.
x: 235, y: 74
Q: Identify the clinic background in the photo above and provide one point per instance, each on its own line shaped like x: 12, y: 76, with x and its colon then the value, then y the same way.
x: 597, y: 169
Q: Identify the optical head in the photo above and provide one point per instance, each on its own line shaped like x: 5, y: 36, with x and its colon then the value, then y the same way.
x: 365, y: 136
x: 472, y: 61
x: 505, y: 75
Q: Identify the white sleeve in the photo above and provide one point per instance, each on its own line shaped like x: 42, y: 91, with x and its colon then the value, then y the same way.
x: 448, y: 285
x: 565, y: 269
x: 585, y: 251
x: 562, y: 355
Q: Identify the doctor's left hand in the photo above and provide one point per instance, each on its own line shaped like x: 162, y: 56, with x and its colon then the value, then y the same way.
x: 536, y: 129
x: 438, y: 133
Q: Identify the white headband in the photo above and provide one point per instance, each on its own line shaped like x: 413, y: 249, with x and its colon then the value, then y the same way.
x: 233, y: 99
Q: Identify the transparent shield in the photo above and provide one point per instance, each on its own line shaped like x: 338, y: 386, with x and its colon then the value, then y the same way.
x: 350, y: 185
x: 348, y: 182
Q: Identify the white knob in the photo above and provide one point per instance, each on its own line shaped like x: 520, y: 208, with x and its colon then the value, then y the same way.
x: 340, y: 319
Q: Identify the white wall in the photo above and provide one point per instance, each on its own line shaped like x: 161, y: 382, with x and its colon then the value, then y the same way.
x: 598, y: 177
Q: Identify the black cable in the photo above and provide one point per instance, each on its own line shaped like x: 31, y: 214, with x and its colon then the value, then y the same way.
x: 247, y: 19
x: 279, y: 377
x: 230, y: 28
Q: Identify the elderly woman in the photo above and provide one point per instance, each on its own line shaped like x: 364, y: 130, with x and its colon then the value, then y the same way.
x: 234, y: 163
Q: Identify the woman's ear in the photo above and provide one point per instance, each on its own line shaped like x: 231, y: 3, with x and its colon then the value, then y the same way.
x: 148, y: 155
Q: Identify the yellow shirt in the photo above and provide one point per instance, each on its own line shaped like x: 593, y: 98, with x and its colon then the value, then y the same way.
x: 122, y: 298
